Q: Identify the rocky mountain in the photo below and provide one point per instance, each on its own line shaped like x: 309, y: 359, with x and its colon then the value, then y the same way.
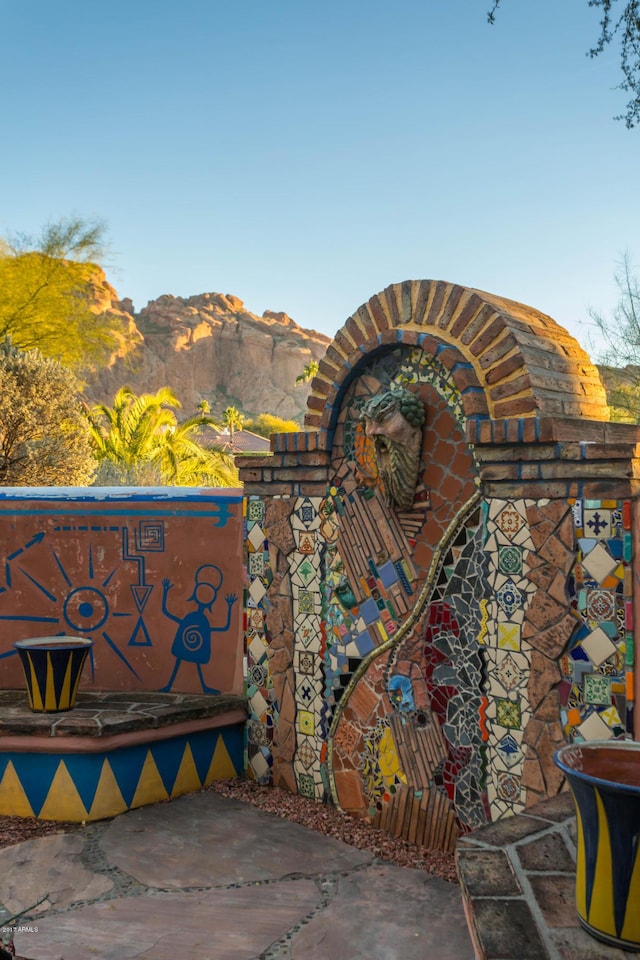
x: 209, y: 347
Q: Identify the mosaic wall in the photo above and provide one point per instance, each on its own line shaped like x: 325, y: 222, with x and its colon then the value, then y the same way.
x: 420, y: 667
x: 596, y: 690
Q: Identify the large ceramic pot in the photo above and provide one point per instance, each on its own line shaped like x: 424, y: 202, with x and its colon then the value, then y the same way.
x: 52, y: 668
x: 604, y: 777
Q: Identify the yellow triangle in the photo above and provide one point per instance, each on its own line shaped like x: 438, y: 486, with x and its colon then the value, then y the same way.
x: 50, y: 701
x: 187, y: 779
x: 63, y: 800
x: 150, y: 787
x: 108, y: 801
x: 35, y: 696
x: 221, y: 766
x: 13, y: 799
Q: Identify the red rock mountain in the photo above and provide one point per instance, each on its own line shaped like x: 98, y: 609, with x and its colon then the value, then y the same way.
x: 209, y: 347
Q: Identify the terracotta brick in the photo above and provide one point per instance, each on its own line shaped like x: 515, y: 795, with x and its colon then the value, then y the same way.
x: 464, y: 377
x: 480, y: 323
x: 379, y: 317
x: 512, y: 387
x: 344, y: 342
x: 449, y: 306
x: 440, y: 290
x: 620, y: 432
x: 366, y: 321
x: 355, y: 331
x: 486, y: 431
x: 487, y: 336
x: 498, y: 350
x: 429, y: 344
x: 499, y: 471
x: 391, y: 294
x: 422, y: 298
x: 529, y: 429
x: 472, y: 431
x: 610, y: 451
x: 450, y: 356
x: 328, y: 369
x: 405, y: 303
x: 469, y: 309
x: 474, y: 402
x: 410, y: 337
x: 334, y: 357
x: 511, y: 408
x: 312, y: 419
x: 321, y: 387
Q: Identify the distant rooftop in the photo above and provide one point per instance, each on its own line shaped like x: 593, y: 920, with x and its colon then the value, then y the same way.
x: 241, y: 441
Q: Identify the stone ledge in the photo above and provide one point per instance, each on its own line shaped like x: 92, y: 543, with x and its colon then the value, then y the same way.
x: 105, y: 713
x: 517, y: 878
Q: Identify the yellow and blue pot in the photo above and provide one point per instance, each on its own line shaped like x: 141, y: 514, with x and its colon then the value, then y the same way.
x: 604, y: 777
x: 52, y: 668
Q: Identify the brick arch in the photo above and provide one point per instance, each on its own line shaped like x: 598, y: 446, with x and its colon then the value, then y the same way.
x: 507, y: 359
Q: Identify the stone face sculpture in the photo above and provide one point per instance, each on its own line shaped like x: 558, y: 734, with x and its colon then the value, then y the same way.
x: 394, y: 420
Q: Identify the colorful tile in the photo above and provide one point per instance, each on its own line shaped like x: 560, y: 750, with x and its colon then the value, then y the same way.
x: 598, y: 646
x: 597, y: 689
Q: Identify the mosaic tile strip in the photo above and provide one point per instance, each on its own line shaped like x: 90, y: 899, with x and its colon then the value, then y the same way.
x: 598, y: 668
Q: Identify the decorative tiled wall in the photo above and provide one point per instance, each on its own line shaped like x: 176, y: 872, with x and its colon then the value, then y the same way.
x: 423, y: 665
x: 596, y: 690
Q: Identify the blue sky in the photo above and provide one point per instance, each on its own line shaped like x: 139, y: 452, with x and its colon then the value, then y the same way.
x: 304, y: 156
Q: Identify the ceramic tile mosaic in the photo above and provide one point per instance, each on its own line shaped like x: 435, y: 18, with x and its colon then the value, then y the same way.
x: 263, y: 709
x: 508, y: 656
x: 595, y: 672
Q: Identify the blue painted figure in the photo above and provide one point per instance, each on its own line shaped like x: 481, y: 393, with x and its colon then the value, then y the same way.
x: 401, y: 693
x: 192, y: 641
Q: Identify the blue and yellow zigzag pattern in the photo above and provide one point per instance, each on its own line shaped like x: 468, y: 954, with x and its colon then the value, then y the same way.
x: 608, y: 862
x: 91, y: 786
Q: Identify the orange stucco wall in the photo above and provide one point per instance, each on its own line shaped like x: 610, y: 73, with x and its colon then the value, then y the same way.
x: 153, y: 576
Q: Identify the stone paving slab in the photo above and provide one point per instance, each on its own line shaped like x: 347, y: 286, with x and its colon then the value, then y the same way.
x: 518, y: 883
x: 204, y: 877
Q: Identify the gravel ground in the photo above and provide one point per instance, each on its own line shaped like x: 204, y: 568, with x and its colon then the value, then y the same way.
x: 308, y: 813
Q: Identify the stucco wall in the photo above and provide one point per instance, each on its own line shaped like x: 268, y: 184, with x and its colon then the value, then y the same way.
x: 153, y: 577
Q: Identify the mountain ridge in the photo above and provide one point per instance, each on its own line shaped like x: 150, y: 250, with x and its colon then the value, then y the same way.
x: 208, y: 347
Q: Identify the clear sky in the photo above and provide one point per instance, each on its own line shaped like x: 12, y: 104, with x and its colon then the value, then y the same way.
x: 303, y: 156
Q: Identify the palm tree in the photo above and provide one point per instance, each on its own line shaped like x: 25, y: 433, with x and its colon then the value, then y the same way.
x: 139, y: 441
x: 233, y: 419
x: 309, y: 372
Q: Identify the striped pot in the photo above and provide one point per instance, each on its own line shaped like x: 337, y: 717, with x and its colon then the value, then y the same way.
x: 52, y: 668
x: 604, y: 777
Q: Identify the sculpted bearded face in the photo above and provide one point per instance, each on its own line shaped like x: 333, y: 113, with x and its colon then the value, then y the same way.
x: 394, y: 419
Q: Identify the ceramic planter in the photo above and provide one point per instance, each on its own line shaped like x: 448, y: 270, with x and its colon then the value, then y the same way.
x: 52, y: 668
x: 604, y: 777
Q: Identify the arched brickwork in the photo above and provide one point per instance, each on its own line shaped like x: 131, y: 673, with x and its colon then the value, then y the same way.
x: 507, y: 359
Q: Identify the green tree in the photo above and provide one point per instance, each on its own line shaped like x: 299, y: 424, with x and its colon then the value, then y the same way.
x: 622, y: 22
x: 233, y: 419
x: 139, y: 441
x: 47, y: 286
x: 618, y: 355
x: 44, y: 439
x: 309, y: 372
